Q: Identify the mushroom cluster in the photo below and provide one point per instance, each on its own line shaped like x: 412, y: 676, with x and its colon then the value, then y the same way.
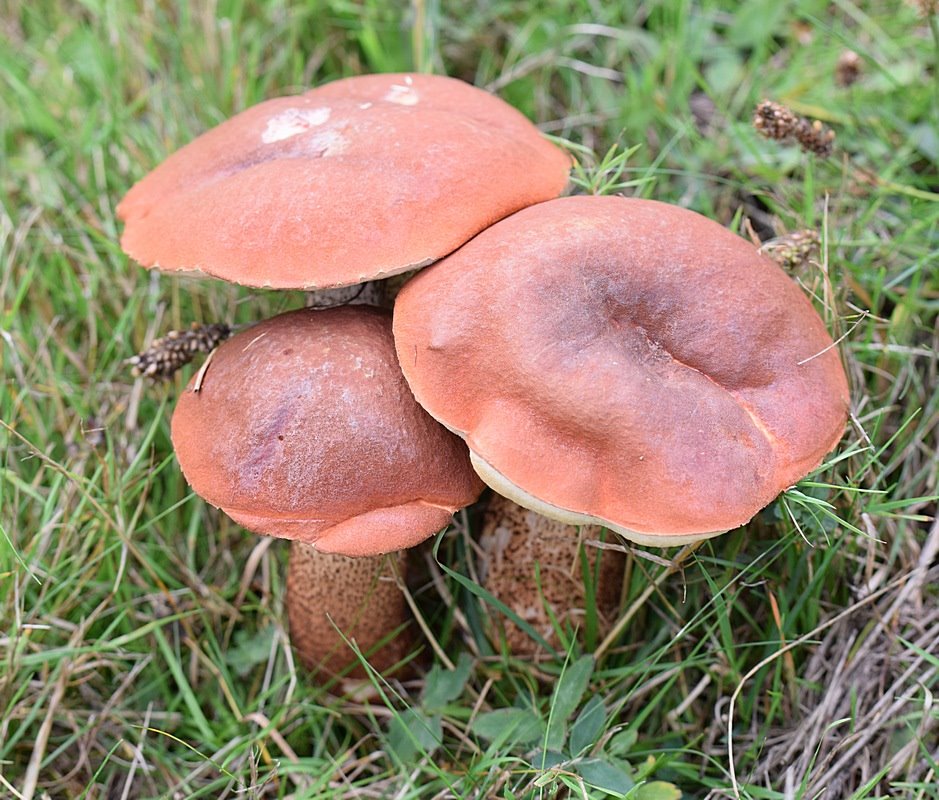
x: 303, y: 426
x: 607, y: 362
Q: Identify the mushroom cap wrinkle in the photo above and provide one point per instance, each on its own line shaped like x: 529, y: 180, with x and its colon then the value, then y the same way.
x: 355, y: 180
x: 303, y: 427
x: 625, y: 363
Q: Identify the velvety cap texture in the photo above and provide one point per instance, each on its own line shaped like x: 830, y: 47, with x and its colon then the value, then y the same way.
x: 304, y: 428
x: 355, y: 180
x: 624, y: 362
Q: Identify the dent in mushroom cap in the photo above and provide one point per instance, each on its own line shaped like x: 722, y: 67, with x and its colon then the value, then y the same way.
x: 625, y: 360
x: 304, y: 428
x: 354, y: 180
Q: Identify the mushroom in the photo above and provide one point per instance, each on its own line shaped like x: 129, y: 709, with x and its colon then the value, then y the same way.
x: 303, y: 427
x: 359, y: 179
x: 624, y: 363
x: 355, y: 180
x: 555, y: 594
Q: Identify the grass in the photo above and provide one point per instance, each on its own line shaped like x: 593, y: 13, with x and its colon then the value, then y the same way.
x: 143, y: 650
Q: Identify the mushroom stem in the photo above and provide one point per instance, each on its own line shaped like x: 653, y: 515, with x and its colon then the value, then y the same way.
x: 381, y: 293
x: 370, y: 293
x: 533, y: 564
x: 334, y: 600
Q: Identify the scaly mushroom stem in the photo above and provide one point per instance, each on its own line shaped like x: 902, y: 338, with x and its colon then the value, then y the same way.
x: 514, y: 542
x: 370, y: 293
x: 380, y: 293
x: 331, y: 599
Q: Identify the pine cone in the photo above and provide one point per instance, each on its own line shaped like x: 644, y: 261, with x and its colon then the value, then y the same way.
x: 176, y: 349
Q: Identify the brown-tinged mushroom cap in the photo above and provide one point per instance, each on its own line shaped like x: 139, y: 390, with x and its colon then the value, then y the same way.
x: 355, y: 180
x: 303, y: 427
x: 624, y: 362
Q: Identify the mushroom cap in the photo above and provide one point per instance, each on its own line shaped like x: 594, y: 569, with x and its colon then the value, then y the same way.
x: 355, y: 180
x: 304, y: 428
x: 626, y: 363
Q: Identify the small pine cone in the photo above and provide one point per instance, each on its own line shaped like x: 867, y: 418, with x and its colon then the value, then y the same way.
x: 794, y: 250
x: 176, y: 349
x: 775, y: 121
x: 848, y: 68
x: 815, y: 138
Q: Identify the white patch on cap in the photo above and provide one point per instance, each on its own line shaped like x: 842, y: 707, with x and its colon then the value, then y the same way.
x: 328, y: 142
x: 364, y: 106
x: 293, y: 122
x: 402, y: 95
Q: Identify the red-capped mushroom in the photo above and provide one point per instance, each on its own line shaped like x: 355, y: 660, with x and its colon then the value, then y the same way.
x: 624, y: 363
x: 355, y: 180
x: 303, y: 427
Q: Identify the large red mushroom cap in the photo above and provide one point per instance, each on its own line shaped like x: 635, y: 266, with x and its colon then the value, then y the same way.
x: 358, y: 179
x: 303, y: 427
x: 624, y: 362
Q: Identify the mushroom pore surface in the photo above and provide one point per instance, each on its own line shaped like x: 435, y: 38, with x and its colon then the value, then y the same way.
x: 624, y: 362
x: 304, y: 428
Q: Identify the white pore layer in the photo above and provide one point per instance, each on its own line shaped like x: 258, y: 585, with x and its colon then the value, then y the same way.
x: 516, y: 494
